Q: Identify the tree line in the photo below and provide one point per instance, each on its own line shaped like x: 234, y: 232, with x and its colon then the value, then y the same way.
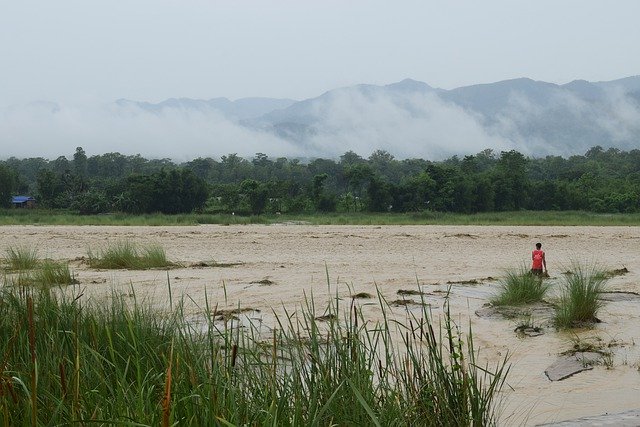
x: 599, y: 181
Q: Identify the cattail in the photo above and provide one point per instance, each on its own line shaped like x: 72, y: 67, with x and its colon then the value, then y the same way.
x: 63, y: 379
x: 166, y: 401
x: 234, y: 355
x: 32, y: 349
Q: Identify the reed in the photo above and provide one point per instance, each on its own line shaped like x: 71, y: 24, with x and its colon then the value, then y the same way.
x: 71, y: 361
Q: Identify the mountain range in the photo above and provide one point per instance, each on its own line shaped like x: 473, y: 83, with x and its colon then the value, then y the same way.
x: 535, y: 117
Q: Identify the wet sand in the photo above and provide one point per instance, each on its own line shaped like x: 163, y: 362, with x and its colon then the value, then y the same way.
x: 278, y: 264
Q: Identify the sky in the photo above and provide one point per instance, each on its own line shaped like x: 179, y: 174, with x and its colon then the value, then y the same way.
x: 85, y: 53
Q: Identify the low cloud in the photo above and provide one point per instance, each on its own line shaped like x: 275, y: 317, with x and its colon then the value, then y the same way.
x: 407, y: 125
x: 419, y: 125
x: 47, y: 130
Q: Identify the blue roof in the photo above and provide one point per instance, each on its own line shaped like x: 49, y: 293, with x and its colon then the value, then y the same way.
x: 21, y: 199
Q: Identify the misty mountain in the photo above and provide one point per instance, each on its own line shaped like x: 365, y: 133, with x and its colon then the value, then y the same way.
x: 412, y: 118
x: 408, y: 119
x: 313, y: 110
x: 535, y: 117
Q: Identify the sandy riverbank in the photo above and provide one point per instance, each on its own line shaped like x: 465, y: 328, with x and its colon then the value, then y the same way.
x: 274, y: 266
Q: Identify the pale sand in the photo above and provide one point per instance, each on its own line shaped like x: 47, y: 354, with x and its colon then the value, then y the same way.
x: 296, y: 259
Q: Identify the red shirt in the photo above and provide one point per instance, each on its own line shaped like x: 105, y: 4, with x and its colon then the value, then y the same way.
x: 538, y: 257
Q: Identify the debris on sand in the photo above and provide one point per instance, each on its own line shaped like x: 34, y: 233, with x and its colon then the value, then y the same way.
x: 529, y: 331
x: 464, y: 235
x: 617, y: 272
x: 406, y: 302
x: 471, y: 281
x: 263, y: 282
x: 362, y: 295
x: 410, y: 292
x: 206, y: 264
x: 231, y: 314
x: 464, y: 282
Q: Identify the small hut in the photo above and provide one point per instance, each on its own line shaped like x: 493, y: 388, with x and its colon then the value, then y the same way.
x: 27, y: 202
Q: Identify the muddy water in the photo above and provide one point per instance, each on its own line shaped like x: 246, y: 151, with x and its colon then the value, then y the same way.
x: 277, y: 265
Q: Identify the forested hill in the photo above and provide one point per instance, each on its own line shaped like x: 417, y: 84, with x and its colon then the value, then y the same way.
x: 600, y: 181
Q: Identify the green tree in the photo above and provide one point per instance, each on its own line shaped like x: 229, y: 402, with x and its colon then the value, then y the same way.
x: 256, y: 194
x: 80, y: 163
x: 510, y: 181
x: 378, y: 195
x: 49, y: 188
x: 8, y: 183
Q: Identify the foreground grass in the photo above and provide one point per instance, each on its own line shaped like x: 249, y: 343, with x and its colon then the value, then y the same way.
x: 580, y: 300
x: 548, y: 218
x: 125, y: 254
x: 520, y: 287
x: 66, y: 361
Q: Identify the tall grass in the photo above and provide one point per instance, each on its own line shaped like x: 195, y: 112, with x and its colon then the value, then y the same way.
x: 580, y: 299
x: 22, y: 258
x: 127, y: 255
x: 520, y: 287
x: 66, y: 361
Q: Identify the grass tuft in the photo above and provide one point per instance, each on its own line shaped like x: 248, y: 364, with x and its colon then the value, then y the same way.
x: 580, y: 300
x: 54, y: 273
x: 22, y: 258
x: 520, y: 287
x: 126, y: 255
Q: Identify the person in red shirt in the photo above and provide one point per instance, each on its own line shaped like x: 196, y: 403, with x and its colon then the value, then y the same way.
x: 539, y: 264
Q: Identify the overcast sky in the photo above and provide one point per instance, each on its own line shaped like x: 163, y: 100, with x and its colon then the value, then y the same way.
x: 84, y: 51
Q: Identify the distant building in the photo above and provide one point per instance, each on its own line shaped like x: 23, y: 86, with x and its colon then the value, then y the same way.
x: 23, y: 202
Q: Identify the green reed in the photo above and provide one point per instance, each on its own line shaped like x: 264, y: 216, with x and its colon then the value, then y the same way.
x: 66, y: 360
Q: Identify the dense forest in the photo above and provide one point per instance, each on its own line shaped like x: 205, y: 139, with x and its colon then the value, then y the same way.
x: 599, y: 181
